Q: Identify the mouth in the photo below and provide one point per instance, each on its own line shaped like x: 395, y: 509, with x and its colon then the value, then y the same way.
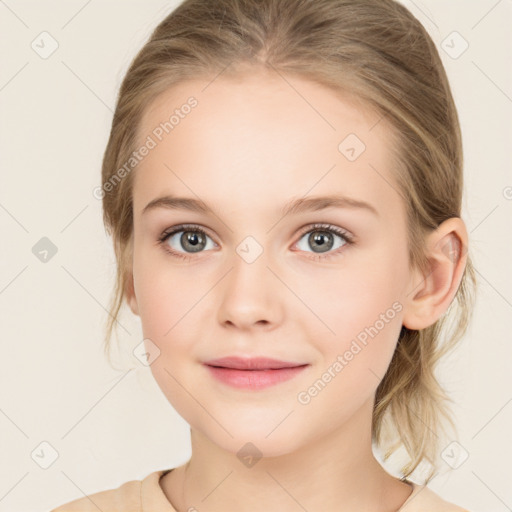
x: 252, y: 363
x: 253, y: 373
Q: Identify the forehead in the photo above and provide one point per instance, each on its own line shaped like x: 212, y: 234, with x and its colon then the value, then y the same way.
x: 246, y: 95
x: 260, y: 135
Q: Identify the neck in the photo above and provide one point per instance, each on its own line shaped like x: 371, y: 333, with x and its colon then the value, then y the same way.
x: 335, y: 470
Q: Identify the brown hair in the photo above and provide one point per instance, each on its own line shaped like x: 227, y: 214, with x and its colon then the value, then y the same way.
x: 374, y: 52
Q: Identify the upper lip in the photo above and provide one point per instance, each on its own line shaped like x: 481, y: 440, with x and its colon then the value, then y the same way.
x: 251, y: 363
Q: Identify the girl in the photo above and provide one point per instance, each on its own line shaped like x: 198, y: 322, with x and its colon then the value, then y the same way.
x: 283, y: 185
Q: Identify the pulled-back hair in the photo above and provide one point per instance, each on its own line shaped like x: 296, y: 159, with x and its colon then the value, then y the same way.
x: 376, y: 53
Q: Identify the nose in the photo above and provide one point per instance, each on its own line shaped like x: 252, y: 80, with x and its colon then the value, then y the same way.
x: 251, y: 296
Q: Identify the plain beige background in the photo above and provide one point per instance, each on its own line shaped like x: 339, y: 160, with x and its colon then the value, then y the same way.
x: 71, y: 425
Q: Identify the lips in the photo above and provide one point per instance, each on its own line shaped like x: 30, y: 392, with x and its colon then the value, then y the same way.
x: 253, y: 374
x: 253, y: 363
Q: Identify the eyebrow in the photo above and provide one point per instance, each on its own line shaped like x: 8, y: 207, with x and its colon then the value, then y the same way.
x: 293, y: 207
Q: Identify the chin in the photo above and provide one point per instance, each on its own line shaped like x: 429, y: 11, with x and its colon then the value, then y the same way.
x: 256, y: 442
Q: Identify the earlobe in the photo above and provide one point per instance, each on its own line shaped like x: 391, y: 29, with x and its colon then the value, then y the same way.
x: 447, y: 254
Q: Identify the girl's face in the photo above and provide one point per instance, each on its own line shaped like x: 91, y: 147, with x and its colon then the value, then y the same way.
x: 260, y: 283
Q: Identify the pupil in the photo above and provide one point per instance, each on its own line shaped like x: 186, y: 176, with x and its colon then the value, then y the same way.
x: 192, y: 240
x: 320, y: 240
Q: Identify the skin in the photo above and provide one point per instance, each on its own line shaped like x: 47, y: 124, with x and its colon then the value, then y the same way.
x: 250, y: 146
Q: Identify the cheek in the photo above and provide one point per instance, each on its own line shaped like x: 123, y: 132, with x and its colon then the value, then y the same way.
x: 165, y: 295
x: 366, y: 336
x: 362, y: 308
x: 166, y: 310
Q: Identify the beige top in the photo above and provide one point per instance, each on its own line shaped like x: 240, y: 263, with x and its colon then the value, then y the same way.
x: 147, y: 496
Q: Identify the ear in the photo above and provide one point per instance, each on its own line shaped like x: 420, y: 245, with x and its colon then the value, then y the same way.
x: 130, y: 294
x: 432, y: 294
x: 127, y: 264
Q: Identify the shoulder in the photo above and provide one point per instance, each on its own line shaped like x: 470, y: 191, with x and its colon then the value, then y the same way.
x: 424, y: 499
x: 125, y: 498
x: 132, y: 496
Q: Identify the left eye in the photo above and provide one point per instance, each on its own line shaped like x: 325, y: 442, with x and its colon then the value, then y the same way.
x: 323, y: 238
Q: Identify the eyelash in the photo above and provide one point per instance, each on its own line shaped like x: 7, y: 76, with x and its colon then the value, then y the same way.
x: 344, y: 235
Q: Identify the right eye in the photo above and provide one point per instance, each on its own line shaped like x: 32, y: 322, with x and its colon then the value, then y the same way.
x: 192, y: 238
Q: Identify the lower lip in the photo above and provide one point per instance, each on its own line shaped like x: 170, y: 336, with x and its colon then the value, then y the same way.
x: 254, y: 379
